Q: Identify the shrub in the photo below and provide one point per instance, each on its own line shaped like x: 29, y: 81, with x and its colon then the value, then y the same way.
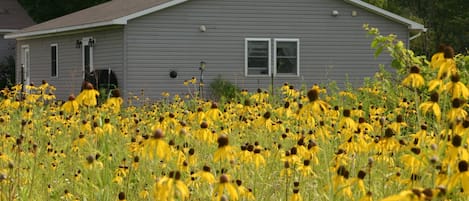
x: 224, y: 89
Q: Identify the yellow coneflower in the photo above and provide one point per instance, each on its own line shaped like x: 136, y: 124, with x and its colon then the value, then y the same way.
x: 315, y: 107
x: 398, y: 124
x: 225, y: 186
x: 414, y: 79
x: 88, y: 97
x: 438, y: 58
x: 71, y: 106
x: 296, y: 195
x: 306, y: 169
x: 432, y: 106
x: 346, y: 122
x: 359, y: 181
x: 448, y: 66
x: 457, y: 112
x: 205, y: 175
x: 224, y: 151
x: 156, y: 144
x: 243, y: 191
x: 461, y: 177
x: 257, y: 158
x: 456, y: 88
x: 114, y: 103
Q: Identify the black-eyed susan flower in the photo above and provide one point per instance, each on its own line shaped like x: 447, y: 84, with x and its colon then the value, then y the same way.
x: 156, y: 146
x: 315, y: 107
x: 448, y: 66
x: 414, y: 79
x: 121, y: 197
x: 456, y: 88
x: 438, y: 58
x: 296, y: 196
x: 432, y: 106
x: 461, y: 177
x: 88, y: 97
x: 225, y: 152
x: 205, y: 175
x: 71, y: 106
x: 225, y: 186
x: 457, y: 112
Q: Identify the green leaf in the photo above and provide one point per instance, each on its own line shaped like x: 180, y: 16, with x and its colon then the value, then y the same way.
x: 378, y: 51
x: 374, y: 43
x: 396, y: 64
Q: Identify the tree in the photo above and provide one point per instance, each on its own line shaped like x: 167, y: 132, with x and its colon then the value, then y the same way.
x: 446, y: 22
x: 43, y: 10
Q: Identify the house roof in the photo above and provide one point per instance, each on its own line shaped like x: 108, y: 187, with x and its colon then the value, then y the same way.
x: 119, y: 12
x: 13, y: 17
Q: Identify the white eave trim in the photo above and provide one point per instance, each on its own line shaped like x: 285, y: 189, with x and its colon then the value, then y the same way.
x: 8, y: 30
x: 412, y: 25
x: 117, y: 21
x: 62, y: 29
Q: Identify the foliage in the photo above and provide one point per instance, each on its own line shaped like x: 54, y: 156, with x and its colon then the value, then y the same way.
x: 7, y: 72
x: 446, y: 22
x: 224, y: 89
x: 43, y: 10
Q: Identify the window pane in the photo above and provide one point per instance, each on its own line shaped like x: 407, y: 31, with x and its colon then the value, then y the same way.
x: 287, y: 57
x: 87, y: 58
x: 53, y: 55
x: 258, y: 57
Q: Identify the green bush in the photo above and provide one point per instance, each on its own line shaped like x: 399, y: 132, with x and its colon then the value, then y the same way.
x: 7, y: 72
x: 223, y: 89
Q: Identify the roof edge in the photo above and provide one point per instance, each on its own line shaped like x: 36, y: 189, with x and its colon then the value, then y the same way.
x: 153, y: 9
x: 62, y: 29
x: 412, y: 25
x: 8, y: 30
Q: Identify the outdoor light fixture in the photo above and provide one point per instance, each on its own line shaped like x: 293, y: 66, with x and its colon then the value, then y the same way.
x: 335, y: 13
x: 78, y: 44
x: 203, y: 28
x: 202, y: 66
x: 91, y: 42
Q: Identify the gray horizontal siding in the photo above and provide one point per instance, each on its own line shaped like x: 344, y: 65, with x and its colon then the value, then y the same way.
x: 331, y: 48
x: 107, y: 54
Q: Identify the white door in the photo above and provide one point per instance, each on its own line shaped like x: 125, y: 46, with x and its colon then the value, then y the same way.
x: 25, y: 65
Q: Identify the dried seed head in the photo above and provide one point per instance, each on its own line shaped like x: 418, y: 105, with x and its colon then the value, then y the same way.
x: 90, y: 159
x: 222, y: 140
x: 414, y: 69
x: 456, y: 141
x: 346, y: 113
x: 463, y: 166
x: 158, y: 134
x: 361, y: 174
x: 313, y: 95
x: 121, y: 196
x: 224, y: 179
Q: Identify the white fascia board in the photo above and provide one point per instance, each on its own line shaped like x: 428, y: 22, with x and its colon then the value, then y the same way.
x: 412, y: 25
x: 8, y: 30
x: 63, y: 29
x: 123, y: 20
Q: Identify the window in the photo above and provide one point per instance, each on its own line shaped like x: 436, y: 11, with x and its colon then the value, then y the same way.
x: 258, y: 55
x: 286, y: 57
x: 54, y: 62
x: 87, y: 56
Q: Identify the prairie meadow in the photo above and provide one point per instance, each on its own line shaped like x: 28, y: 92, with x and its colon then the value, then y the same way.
x: 403, y: 135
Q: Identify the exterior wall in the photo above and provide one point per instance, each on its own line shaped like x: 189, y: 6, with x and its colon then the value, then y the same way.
x: 7, y: 48
x: 331, y: 48
x: 107, y: 53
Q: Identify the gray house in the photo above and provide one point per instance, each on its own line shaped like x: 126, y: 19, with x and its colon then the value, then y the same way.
x: 154, y: 45
x: 12, y: 18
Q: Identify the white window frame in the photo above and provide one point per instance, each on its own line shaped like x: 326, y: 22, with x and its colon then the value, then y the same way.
x: 269, y: 67
x: 84, y: 42
x: 56, y: 60
x: 297, y: 57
